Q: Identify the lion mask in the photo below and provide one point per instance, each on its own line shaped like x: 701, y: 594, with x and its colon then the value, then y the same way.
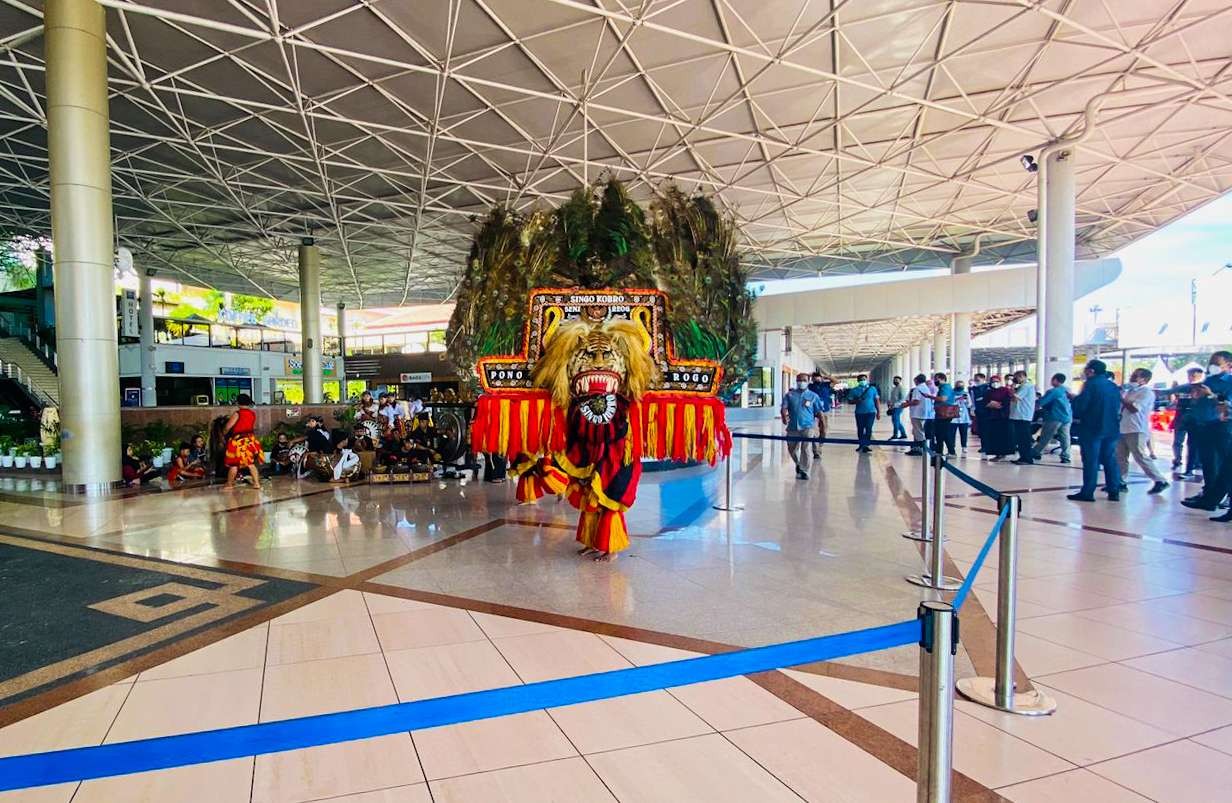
x: 583, y: 359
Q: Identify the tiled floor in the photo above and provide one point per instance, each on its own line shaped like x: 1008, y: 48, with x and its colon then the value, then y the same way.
x: 1125, y: 617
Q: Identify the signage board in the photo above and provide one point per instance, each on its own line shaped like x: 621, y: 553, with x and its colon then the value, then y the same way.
x: 233, y: 370
x: 128, y: 315
x: 417, y: 376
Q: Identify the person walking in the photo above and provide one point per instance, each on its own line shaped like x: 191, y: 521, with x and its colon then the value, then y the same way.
x: 1022, y: 413
x: 1057, y: 414
x: 1137, y: 402
x: 1097, y: 412
x: 800, y: 410
x: 896, y: 401
x: 867, y: 400
x: 823, y: 386
x: 920, y: 403
x: 243, y: 449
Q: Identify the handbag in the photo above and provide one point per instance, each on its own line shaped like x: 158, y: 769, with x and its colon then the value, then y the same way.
x: 945, y: 411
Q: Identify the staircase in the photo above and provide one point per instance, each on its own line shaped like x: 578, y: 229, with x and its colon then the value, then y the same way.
x: 25, y: 366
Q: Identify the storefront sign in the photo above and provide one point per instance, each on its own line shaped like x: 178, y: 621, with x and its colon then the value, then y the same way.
x: 234, y: 370
x: 295, y: 366
x: 418, y: 376
x: 128, y: 315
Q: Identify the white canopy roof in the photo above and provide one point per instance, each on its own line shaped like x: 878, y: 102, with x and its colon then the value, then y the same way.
x: 847, y: 136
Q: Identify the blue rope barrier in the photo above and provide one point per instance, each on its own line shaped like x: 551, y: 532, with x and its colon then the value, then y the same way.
x: 803, y: 439
x: 143, y: 755
x: 984, y: 488
x: 969, y: 580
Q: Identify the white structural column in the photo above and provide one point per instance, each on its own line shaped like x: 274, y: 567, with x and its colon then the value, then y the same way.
x: 145, y: 318
x: 1055, y: 349
x: 913, y: 363
x: 960, y: 359
x: 941, y: 341
x: 340, y: 362
x: 310, y: 318
x: 79, y: 161
x: 926, y: 357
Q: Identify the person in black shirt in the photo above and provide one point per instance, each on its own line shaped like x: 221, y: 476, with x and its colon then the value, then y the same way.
x: 1181, y: 428
x: 978, y: 393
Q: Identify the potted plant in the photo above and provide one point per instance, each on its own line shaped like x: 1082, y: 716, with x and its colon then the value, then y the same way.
x: 267, y: 444
x: 51, y: 460
x: 51, y: 451
x: 34, y: 453
x: 21, y: 456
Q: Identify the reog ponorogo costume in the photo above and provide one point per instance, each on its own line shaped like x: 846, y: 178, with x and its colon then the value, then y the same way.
x: 596, y: 389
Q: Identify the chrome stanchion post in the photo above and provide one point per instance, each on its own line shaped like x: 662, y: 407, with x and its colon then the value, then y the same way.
x: 935, y: 577
x: 727, y: 481
x: 999, y: 692
x: 925, y: 485
x: 938, y: 646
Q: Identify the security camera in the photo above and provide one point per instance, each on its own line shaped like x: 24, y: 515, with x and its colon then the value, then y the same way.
x: 1032, y: 215
x: 1028, y: 163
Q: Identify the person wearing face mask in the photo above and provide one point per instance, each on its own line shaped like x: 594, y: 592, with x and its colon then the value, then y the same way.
x: 1056, y: 418
x: 979, y: 397
x: 962, y: 423
x: 1097, y: 412
x: 896, y: 401
x: 1212, y: 431
x: 1022, y: 413
x: 920, y: 403
x: 1137, y: 401
x: 823, y: 386
x: 800, y: 411
x: 995, y: 440
x: 867, y: 400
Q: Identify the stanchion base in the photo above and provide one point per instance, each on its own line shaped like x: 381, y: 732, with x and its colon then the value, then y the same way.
x: 1032, y: 703
x: 728, y: 508
x: 912, y: 535
x: 926, y: 581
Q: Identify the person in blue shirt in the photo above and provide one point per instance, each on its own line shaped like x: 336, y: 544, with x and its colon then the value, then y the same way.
x: 823, y: 386
x: 1097, y: 415
x: 1056, y: 416
x: 867, y: 400
x: 1211, y: 429
x: 946, y: 412
x: 800, y: 411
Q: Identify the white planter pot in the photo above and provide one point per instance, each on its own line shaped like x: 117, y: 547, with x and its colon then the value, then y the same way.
x: 6, y: 461
x: 36, y: 461
x: 267, y: 456
x: 19, y: 462
x: 167, y: 455
x: 157, y: 461
x: 50, y: 461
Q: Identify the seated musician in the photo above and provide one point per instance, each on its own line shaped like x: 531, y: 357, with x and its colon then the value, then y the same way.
x: 366, y: 408
x: 390, y: 414
x: 280, y: 456
x: 184, y: 468
x: 388, y: 449
x: 319, y: 444
x: 346, y: 462
x: 199, y: 454
x: 411, y: 452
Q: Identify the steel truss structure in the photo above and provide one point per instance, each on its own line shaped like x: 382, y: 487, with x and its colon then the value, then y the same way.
x: 846, y: 135
x: 849, y: 347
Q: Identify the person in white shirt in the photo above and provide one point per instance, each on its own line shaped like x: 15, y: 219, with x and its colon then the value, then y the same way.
x: 1022, y: 413
x: 920, y: 403
x: 1137, y: 402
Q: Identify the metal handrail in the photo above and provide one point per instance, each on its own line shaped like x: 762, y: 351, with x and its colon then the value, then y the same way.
x: 14, y: 371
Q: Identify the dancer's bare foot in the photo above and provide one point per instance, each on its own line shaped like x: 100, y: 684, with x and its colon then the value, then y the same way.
x: 586, y: 550
x: 605, y: 557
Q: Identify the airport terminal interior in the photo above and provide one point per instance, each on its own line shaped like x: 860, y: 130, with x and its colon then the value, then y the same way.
x: 556, y: 401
